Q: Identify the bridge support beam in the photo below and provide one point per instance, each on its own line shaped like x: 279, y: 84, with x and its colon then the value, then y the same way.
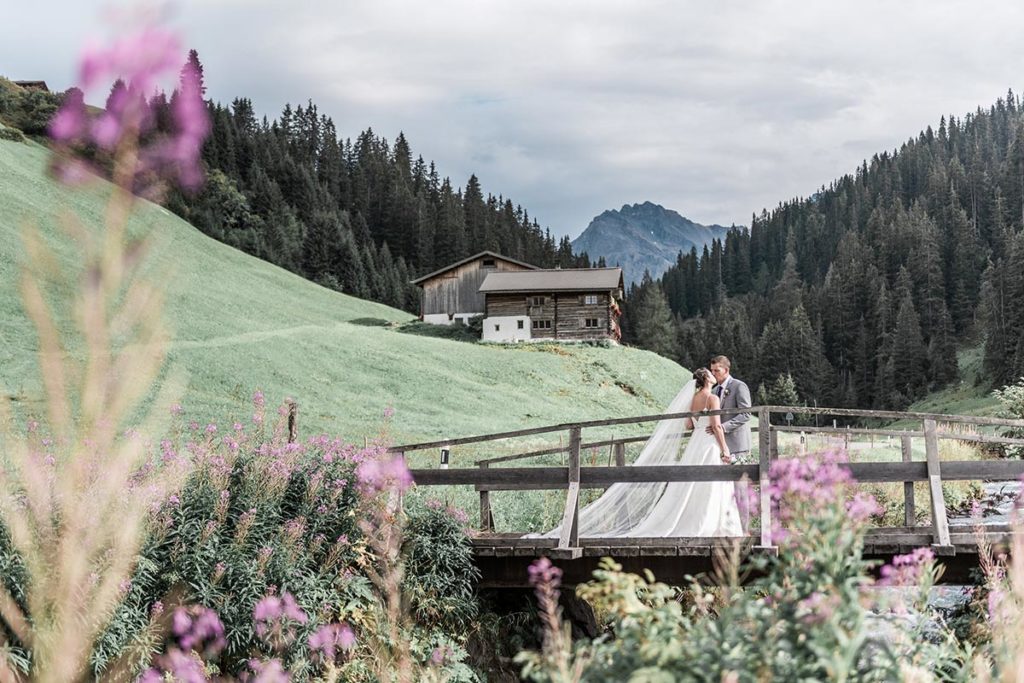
x: 764, y: 452
x: 486, y: 516
x: 940, y: 525
x: 909, y: 513
x: 569, y: 539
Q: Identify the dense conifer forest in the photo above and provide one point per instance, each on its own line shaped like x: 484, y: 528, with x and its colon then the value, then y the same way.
x: 362, y: 216
x: 862, y: 293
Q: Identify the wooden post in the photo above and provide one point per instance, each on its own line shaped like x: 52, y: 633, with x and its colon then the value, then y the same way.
x: 620, y: 454
x: 293, y: 421
x: 764, y: 435
x: 569, y: 539
x: 773, y: 449
x: 909, y: 514
x: 940, y: 525
x: 486, y: 518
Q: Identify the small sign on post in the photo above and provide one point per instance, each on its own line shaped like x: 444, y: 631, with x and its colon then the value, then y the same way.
x: 445, y: 454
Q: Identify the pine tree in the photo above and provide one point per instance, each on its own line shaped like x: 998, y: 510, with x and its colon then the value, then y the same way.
x: 653, y: 326
x: 196, y: 68
x: 909, y: 355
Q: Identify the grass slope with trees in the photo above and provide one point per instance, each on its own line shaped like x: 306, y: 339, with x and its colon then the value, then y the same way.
x: 240, y: 323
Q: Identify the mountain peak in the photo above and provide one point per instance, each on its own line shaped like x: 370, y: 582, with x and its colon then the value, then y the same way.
x: 643, y: 236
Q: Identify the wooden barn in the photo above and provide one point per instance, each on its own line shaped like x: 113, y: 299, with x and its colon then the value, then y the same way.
x: 572, y: 304
x: 452, y: 294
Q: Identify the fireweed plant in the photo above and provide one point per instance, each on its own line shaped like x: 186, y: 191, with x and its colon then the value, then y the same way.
x: 215, y: 551
x: 812, y: 613
x: 72, y: 502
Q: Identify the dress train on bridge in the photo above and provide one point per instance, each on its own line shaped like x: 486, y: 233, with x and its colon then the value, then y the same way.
x: 694, y: 508
x: 662, y: 509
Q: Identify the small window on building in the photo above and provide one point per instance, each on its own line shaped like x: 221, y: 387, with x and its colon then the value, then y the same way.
x: 497, y: 328
x: 537, y: 301
x: 590, y: 322
x: 542, y: 324
x: 489, y: 263
x: 590, y: 299
x: 519, y: 324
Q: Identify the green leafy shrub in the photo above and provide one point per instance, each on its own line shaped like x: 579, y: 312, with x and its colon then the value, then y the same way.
x: 1011, y: 405
x: 256, y: 517
x: 440, y: 577
x: 814, y: 613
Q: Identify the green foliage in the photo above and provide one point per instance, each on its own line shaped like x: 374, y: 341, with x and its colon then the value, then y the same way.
x: 1011, y: 402
x: 652, y: 321
x: 781, y: 392
x: 948, y: 210
x: 255, y: 517
x: 29, y: 111
x: 440, y: 574
x: 11, y: 134
x: 811, y: 613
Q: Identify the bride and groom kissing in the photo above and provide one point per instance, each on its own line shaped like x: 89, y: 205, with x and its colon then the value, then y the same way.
x: 688, y: 509
x: 719, y: 390
x: 683, y: 508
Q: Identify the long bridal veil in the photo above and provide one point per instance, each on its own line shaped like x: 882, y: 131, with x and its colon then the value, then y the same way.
x: 623, y: 506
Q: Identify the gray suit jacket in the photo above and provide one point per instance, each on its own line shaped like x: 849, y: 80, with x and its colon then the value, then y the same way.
x: 735, y: 394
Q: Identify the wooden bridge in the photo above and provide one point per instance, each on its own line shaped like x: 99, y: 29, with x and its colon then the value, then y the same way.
x: 503, y: 556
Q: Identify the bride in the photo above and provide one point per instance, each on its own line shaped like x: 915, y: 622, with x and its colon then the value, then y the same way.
x: 677, y: 509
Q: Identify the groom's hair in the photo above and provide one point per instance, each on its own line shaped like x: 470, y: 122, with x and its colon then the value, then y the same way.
x: 723, y: 361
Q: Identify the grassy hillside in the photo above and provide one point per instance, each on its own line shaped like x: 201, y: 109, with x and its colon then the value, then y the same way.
x: 972, y: 395
x: 240, y: 324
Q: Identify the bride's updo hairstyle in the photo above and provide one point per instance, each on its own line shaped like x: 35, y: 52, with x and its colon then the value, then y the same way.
x: 703, y: 378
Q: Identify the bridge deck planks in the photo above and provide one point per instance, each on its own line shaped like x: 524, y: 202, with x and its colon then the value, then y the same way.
x: 879, y: 541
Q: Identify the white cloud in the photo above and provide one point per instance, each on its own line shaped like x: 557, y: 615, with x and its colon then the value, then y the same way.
x: 572, y: 107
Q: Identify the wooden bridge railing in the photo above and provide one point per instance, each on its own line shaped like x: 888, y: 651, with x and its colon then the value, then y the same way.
x: 574, y: 477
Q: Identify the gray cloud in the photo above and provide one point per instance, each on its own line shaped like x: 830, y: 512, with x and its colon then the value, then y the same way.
x: 713, y: 109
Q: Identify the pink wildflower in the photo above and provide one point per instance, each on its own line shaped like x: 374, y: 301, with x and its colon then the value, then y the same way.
x: 380, y: 475
x: 275, y: 618
x: 198, y: 628
x: 269, y: 671
x: 817, y: 608
x: 139, y: 61
x: 331, y: 637
x: 907, y: 570
x: 542, y: 571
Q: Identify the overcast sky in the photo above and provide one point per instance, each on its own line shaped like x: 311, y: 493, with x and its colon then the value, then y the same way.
x: 714, y: 109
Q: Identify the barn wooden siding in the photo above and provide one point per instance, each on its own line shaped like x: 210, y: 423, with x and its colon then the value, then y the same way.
x: 457, y: 290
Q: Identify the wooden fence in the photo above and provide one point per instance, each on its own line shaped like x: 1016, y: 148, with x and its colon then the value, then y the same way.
x: 573, y: 477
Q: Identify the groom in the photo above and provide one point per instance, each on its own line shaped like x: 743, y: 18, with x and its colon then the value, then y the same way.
x: 734, y: 393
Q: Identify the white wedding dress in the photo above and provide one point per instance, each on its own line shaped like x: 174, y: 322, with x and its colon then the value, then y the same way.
x: 686, y: 509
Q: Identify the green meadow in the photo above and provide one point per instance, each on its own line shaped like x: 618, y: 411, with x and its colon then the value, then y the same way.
x: 240, y: 324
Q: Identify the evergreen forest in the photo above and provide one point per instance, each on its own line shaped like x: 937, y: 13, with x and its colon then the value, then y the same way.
x: 862, y: 294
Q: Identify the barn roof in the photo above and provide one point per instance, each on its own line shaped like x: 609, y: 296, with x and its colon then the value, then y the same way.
x: 37, y: 85
x: 566, y: 279
x: 467, y: 260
